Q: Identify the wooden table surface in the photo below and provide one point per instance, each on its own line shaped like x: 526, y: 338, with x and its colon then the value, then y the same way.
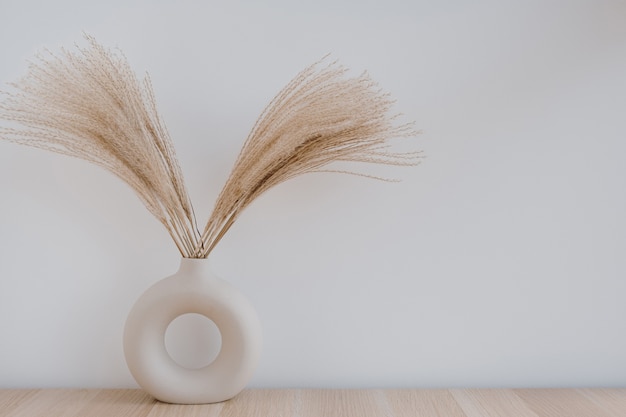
x: 323, y: 403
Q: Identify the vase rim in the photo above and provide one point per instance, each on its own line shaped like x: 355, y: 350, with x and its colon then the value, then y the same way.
x: 196, y: 265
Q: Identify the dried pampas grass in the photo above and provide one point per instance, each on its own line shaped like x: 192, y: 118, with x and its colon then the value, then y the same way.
x: 90, y: 105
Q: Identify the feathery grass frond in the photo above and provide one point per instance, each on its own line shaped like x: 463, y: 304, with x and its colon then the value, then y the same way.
x: 90, y: 105
x: 320, y: 117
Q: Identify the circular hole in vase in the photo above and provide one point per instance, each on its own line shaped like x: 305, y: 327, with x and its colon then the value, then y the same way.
x: 193, y: 341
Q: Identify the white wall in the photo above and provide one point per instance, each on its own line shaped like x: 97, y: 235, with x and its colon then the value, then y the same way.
x: 500, y: 261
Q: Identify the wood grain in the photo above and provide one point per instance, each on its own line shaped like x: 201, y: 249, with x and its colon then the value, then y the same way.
x: 339, y: 403
x: 436, y: 403
x: 11, y: 399
x: 323, y: 403
x: 492, y: 403
x: 118, y: 403
x: 262, y: 402
x: 562, y: 402
x: 54, y: 403
x: 613, y: 401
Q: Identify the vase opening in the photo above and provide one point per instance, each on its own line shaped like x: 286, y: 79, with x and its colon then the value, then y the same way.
x: 193, y: 341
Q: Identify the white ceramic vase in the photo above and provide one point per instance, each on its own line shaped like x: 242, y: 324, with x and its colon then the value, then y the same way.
x: 193, y: 289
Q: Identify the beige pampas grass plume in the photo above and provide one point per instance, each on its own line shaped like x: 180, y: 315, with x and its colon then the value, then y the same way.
x: 89, y: 104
